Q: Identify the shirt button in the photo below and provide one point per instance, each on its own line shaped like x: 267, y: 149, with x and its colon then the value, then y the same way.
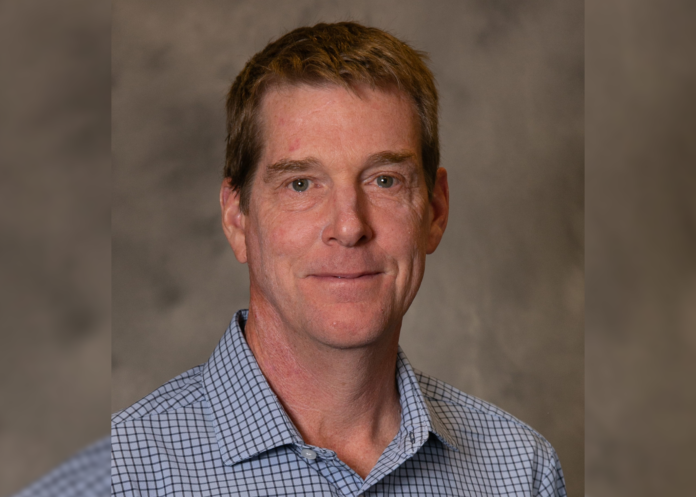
x: 309, y: 454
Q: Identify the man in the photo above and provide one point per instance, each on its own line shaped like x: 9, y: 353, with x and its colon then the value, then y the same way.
x: 333, y: 197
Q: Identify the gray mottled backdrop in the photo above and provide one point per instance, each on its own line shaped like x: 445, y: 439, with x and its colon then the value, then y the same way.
x: 55, y: 243
x: 500, y: 311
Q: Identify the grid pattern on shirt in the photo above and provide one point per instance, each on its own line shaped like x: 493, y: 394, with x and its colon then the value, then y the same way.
x: 219, y: 429
x: 86, y: 474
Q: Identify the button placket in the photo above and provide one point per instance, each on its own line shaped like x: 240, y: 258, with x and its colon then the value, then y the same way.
x: 328, y: 465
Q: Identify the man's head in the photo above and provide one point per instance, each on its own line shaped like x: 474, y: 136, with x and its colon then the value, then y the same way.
x: 342, y: 54
x: 340, y: 209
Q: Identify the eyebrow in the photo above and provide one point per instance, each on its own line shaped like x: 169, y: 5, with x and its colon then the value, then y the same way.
x: 289, y: 166
x: 388, y: 157
x: 283, y: 166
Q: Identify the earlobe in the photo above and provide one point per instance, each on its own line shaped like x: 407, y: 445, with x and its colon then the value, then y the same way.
x: 233, y: 220
x: 439, y: 210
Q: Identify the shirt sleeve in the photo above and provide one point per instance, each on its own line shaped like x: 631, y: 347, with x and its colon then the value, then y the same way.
x: 86, y: 474
x: 553, y: 482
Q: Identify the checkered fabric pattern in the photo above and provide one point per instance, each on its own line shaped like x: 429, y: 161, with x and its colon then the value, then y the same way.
x: 86, y: 474
x: 219, y: 429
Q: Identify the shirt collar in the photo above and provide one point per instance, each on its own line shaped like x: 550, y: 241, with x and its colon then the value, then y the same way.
x: 247, y: 415
x: 417, y: 413
x: 249, y: 419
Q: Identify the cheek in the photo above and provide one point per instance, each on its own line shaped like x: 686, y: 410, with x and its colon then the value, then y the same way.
x: 284, y: 238
x: 402, y: 239
x: 402, y: 231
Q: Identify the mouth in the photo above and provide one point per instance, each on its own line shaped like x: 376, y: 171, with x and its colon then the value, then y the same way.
x: 345, y: 276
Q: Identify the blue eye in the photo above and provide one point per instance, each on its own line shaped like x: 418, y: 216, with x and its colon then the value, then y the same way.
x: 385, y: 181
x: 300, y: 185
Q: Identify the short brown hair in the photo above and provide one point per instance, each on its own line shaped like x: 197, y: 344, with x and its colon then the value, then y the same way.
x: 345, y: 54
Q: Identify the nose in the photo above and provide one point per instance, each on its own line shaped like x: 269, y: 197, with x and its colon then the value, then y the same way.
x: 348, y: 224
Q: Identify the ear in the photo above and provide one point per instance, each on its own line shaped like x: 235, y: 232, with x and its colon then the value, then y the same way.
x: 233, y: 220
x: 439, y: 210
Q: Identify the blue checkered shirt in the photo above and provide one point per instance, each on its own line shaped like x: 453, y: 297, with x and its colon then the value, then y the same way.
x: 219, y: 429
x: 85, y: 474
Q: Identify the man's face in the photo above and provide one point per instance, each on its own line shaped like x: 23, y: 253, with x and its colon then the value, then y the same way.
x: 339, y: 219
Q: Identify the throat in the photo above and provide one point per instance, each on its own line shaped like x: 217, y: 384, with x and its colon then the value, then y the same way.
x: 345, y: 401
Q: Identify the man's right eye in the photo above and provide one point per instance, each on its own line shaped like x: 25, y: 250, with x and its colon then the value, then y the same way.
x: 300, y: 185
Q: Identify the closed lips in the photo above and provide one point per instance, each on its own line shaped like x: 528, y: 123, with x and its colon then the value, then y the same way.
x: 344, y: 275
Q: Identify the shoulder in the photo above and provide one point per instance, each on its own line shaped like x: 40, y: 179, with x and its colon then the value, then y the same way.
x: 85, y: 473
x: 178, y: 393
x: 167, y: 424
x: 468, y: 416
x: 494, y: 438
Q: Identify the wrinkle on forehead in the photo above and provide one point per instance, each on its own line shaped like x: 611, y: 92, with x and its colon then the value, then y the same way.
x: 295, y: 118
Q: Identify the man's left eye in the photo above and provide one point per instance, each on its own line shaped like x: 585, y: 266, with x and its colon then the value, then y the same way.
x: 385, y: 181
x: 300, y: 185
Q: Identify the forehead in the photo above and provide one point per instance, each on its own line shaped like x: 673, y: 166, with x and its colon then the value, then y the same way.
x: 333, y: 120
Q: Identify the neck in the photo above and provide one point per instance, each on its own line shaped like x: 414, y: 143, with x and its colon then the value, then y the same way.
x: 344, y: 400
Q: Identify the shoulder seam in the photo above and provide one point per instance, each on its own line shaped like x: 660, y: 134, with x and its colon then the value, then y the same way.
x: 491, y: 412
x: 164, y: 400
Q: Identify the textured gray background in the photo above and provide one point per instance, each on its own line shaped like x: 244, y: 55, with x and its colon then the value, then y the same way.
x: 641, y: 247
x: 500, y: 311
x: 55, y: 242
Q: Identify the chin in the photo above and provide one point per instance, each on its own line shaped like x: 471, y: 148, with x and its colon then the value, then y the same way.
x: 351, y: 325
